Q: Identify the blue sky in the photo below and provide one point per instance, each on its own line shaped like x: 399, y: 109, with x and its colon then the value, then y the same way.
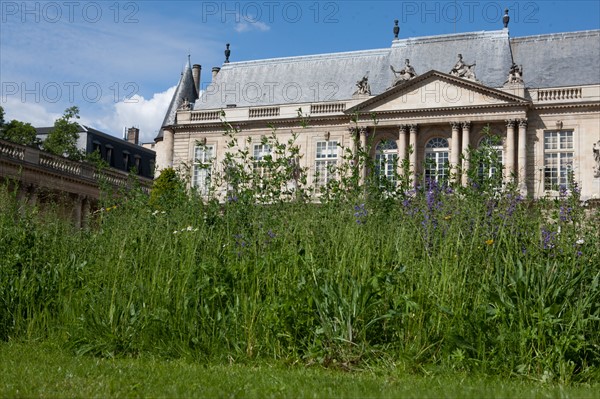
x: 120, y: 60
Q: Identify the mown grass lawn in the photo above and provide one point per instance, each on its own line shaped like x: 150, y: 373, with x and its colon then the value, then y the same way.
x: 45, y: 370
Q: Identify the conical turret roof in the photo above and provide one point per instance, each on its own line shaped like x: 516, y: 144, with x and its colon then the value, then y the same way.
x: 186, y: 90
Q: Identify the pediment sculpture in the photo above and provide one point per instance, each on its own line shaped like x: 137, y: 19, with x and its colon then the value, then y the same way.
x: 463, y: 70
x: 403, y: 75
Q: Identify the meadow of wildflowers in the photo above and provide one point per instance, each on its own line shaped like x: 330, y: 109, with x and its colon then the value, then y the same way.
x: 430, y: 274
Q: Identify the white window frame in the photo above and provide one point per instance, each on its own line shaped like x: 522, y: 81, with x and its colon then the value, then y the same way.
x: 386, y: 159
x: 489, y: 171
x: 437, y: 153
x: 326, y: 161
x: 204, y: 156
x: 259, y: 152
x: 559, y: 156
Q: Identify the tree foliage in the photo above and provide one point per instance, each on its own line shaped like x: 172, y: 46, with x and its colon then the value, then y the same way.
x: 167, y: 189
x: 62, y: 140
x: 17, y: 131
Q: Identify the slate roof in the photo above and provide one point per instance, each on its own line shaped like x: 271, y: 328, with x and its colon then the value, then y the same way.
x: 560, y: 59
x: 186, y: 89
x: 548, y: 61
x: 332, y: 77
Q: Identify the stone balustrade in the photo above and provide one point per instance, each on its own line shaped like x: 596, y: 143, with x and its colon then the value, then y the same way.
x: 33, y: 157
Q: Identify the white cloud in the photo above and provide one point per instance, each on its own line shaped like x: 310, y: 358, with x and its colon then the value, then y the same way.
x: 31, y: 112
x: 245, y: 26
x: 147, y: 115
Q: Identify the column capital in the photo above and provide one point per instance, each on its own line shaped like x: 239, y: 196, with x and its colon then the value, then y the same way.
x: 403, y: 128
x: 510, y: 122
x: 414, y: 128
x: 523, y: 122
x: 466, y: 125
x: 455, y: 125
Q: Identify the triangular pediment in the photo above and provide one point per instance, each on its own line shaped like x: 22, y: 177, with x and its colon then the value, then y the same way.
x: 434, y: 90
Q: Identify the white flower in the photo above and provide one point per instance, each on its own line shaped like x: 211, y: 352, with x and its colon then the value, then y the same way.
x: 580, y: 241
x: 175, y: 232
x: 154, y: 213
x: 189, y: 228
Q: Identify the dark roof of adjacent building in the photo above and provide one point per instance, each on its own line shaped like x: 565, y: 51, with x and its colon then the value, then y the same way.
x: 107, y: 137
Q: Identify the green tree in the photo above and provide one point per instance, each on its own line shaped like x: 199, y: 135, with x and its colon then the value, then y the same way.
x: 167, y: 190
x: 17, y: 131
x: 62, y: 140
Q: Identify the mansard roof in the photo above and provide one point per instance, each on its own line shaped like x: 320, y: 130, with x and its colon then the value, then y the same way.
x: 332, y: 77
x: 560, y: 59
x: 554, y: 60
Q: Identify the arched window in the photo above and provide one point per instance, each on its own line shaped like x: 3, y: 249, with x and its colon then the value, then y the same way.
x: 386, y: 159
x: 491, y: 157
x: 436, y: 159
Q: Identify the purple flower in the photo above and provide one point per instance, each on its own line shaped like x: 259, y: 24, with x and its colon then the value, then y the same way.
x: 360, y: 213
x: 548, y: 238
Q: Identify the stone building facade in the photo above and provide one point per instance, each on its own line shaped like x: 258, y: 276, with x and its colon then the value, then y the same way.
x: 424, y: 99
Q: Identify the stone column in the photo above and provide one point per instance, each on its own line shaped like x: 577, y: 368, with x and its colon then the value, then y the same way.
x: 509, y: 167
x: 522, y: 157
x: 168, y: 142
x: 77, y: 210
x: 362, y: 134
x: 86, y: 209
x: 454, y: 152
x: 413, y: 154
x: 401, y: 143
x: 33, y: 195
x: 466, y: 134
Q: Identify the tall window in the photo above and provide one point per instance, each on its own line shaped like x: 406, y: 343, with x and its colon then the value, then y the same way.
x: 386, y: 159
x: 492, y: 157
x: 203, y: 158
x: 436, y: 159
x: 326, y: 160
x: 558, y: 158
x: 260, y: 152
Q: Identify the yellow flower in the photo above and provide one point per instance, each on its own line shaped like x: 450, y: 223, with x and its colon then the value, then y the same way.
x: 447, y: 217
x: 489, y: 242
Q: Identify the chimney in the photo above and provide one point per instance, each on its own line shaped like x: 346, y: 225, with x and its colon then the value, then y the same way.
x: 133, y: 135
x: 215, y: 71
x: 196, y: 69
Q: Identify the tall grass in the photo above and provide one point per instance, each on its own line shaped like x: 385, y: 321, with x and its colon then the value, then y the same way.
x: 427, y: 275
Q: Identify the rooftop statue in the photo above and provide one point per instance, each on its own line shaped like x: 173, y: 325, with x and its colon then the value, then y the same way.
x: 463, y: 70
x: 406, y: 73
x: 515, y: 75
x: 185, y: 105
x: 363, y: 87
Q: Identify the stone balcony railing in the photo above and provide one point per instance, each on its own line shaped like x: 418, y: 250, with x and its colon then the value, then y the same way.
x: 567, y: 93
x: 29, y: 156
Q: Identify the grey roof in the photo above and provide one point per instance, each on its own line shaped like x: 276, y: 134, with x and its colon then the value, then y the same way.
x: 548, y: 60
x: 561, y: 59
x: 186, y: 89
x: 332, y: 77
